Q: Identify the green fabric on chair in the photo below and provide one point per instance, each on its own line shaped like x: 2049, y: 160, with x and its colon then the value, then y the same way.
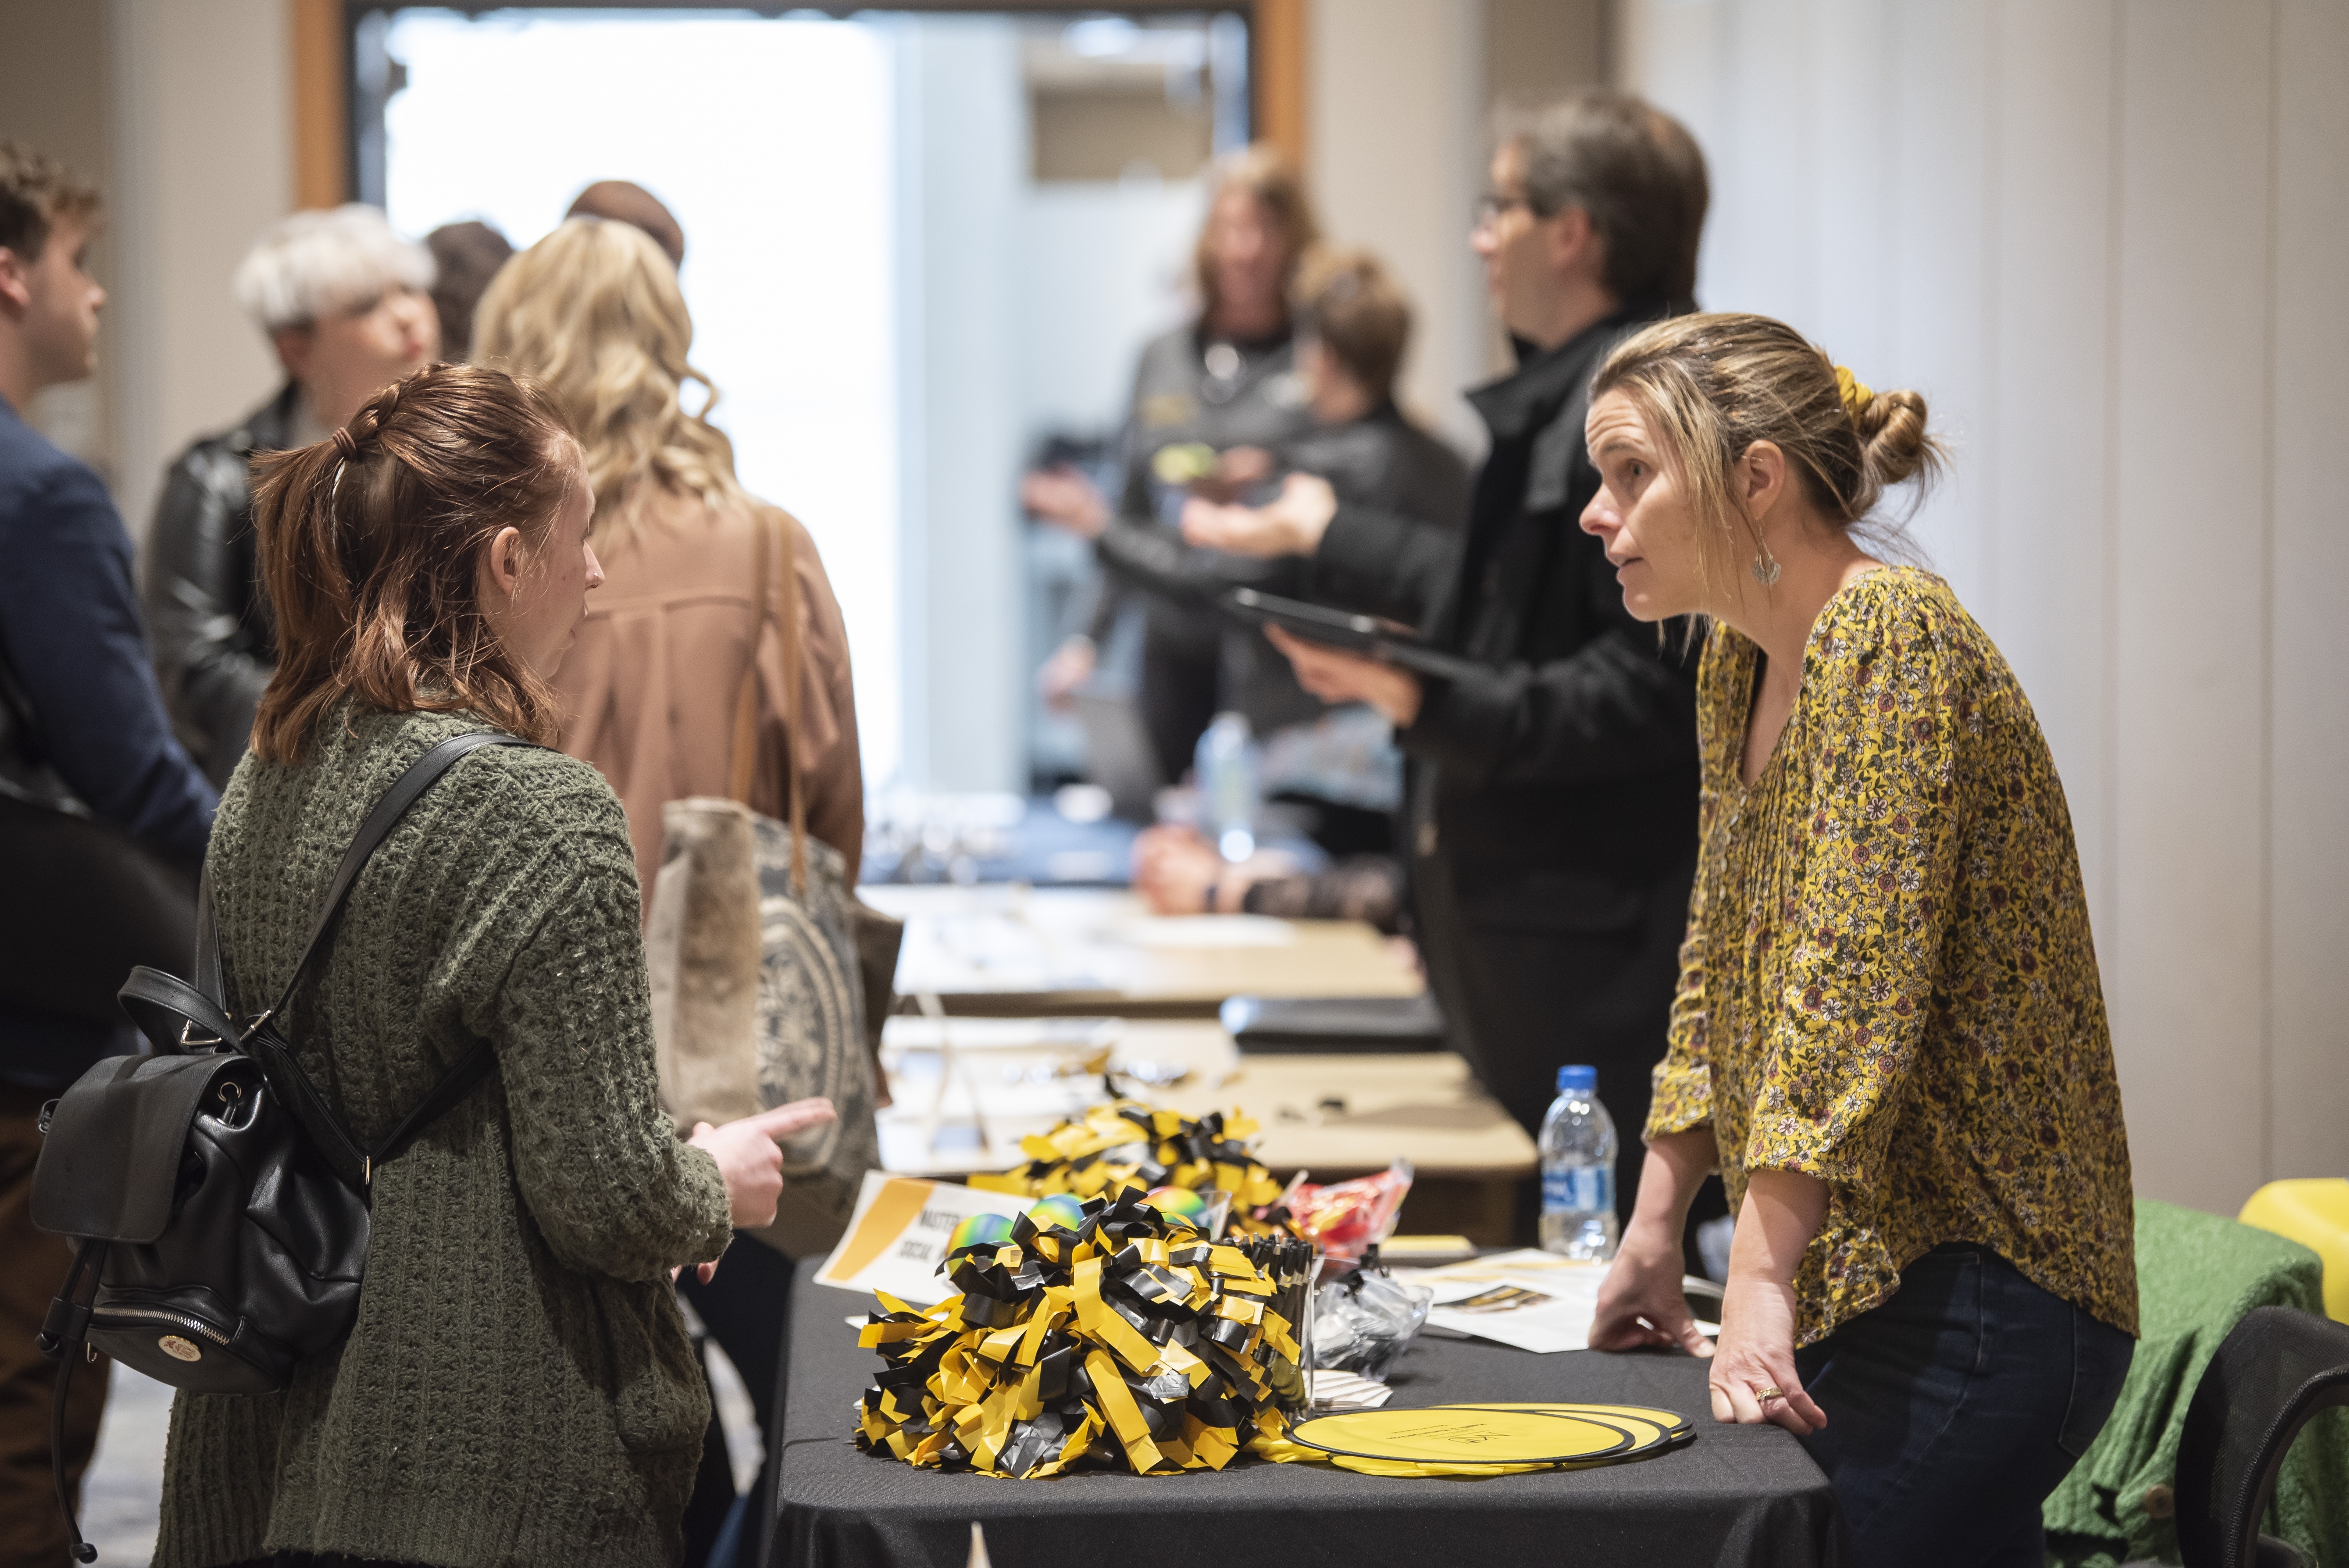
x: 2197, y: 1275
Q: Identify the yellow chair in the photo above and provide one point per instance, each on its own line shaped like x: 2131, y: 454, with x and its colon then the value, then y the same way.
x: 2314, y: 1211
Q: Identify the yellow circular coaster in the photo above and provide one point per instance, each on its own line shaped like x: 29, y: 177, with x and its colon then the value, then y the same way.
x: 1673, y: 1425
x: 1647, y: 1436
x: 1449, y: 1435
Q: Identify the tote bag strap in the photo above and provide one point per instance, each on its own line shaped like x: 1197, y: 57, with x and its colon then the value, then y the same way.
x: 745, y: 761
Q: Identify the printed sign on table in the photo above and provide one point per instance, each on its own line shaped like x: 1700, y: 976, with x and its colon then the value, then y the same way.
x: 898, y: 1233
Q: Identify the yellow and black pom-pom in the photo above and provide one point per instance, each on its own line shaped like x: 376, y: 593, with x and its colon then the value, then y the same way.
x: 1102, y: 1330
x: 1126, y: 1145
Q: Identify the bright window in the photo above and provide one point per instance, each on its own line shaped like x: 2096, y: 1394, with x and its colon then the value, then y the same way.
x: 771, y: 141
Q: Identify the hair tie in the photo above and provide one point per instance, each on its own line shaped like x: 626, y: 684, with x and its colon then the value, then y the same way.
x: 345, y: 443
x: 1854, y: 392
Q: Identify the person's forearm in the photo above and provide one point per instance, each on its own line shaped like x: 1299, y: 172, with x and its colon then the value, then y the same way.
x: 1781, y: 1213
x: 1676, y: 1166
x: 1376, y: 564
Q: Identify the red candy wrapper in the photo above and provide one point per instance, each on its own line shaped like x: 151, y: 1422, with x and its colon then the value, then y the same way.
x: 1346, y: 1219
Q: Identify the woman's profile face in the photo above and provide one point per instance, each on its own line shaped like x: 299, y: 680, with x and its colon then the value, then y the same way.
x: 535, y: 599
x: 1640, y: 515
x: 347, y: 356
x: 1248, y: 254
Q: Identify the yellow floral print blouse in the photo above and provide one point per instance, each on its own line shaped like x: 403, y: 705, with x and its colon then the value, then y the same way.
x: 1888, y: 982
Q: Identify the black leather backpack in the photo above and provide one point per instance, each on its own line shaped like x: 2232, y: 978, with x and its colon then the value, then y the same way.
x: 218, y: 1204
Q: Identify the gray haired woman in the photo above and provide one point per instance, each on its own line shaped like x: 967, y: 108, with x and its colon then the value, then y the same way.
x: 343, y: 302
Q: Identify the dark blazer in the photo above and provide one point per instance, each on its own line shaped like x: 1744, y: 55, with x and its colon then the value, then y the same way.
x: 215, y: 646
x: 1553, y: 794
x: 77, y: 660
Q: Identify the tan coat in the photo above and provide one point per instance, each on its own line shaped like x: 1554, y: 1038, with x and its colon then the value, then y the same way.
x: 650, y: 686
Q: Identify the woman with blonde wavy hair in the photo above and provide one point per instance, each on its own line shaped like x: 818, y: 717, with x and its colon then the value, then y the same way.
x: 649, y: 690
x: 695, y: 578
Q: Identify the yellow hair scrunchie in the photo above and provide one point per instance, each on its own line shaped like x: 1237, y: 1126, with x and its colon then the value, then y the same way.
x: 1854, y: 392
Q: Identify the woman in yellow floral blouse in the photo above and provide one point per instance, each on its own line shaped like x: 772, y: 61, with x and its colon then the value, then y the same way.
x: 1889, y: 1034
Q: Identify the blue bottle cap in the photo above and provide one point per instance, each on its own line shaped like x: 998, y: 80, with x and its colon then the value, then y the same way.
x: 1584, y: 1078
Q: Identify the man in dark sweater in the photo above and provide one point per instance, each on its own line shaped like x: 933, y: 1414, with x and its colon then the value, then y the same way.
x: 84, y: 728
x: 1552, y: 801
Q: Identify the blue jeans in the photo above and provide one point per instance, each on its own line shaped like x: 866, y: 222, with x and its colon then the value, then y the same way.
x: 1954, y: 1409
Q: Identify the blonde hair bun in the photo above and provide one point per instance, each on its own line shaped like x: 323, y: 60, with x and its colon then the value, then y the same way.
x: 1893, y: 439
x: 1712, y: 385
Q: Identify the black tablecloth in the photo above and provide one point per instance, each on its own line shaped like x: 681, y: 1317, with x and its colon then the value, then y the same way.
x: 1736, y: 1495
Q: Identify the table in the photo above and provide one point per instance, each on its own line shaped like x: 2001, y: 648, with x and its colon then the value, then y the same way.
x: 1735, y: 1495
x: 919, y: 837
x: 1335, y: 1115
x: 1023, y: 951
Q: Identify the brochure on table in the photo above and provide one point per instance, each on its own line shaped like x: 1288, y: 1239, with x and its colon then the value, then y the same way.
x: 1530, y: 1299
x: 897, y: 1235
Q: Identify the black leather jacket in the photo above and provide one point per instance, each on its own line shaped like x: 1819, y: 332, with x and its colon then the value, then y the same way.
x: 215, y: 646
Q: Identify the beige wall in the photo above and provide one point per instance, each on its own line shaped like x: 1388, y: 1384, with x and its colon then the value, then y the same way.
x: 181, y: 111
x: 2105, y: 240
x: 202, y: 158
x: 1399, y: 98
x: 1395, y: 95
x: 54, y: 95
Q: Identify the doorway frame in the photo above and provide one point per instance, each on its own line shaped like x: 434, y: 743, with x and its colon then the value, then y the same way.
x: 323, y: 60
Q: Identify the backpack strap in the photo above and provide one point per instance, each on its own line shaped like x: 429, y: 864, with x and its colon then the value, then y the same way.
x: 442, y: 1098
x: 168, y: 1010
x: 208, y: 958
x: 63, y: 1334
x: 388, y: 808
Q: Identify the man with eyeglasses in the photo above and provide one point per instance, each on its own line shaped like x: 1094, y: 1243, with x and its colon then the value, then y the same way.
x: 1550, y: 913
x: 344, y: 302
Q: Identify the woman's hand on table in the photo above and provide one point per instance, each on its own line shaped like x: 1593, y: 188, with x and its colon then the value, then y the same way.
x: 1756, y: 1355
x: 1753, y: 1374
x: 1176, y: 872
x: 1641, y: 1306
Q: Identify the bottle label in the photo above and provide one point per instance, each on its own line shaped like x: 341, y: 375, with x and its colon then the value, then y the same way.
x: 1582, y: 1189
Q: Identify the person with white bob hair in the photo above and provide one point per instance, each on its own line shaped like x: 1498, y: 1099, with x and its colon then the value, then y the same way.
x: 344, y: 302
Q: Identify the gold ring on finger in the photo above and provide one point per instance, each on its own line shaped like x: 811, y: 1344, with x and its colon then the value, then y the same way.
x: 1764, y: 1395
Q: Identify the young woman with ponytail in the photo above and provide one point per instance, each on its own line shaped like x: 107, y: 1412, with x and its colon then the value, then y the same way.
x: 518, y: 1388
x: 1889, y: 1034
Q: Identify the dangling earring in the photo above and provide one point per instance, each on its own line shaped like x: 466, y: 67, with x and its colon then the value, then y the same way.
x: 1765, y: 567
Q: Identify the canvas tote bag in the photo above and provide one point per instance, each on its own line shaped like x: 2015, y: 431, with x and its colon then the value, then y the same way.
x: 757, y: 997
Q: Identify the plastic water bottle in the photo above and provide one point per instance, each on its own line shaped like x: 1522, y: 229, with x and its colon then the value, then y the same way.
x: 1578, y: 1163
x: 1230, y: 790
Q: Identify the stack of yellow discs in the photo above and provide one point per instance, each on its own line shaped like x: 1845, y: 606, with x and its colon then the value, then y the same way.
x: 1496, y: 1439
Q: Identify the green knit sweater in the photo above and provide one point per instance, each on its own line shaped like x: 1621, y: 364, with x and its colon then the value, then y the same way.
x: 2197, y: 1275
x: 518, y: 1388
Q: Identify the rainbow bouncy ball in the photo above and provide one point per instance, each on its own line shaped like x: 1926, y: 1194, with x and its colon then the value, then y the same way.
x: 1179, y: 1203
x: 1062, y: 1209
x: 979, y: 1233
